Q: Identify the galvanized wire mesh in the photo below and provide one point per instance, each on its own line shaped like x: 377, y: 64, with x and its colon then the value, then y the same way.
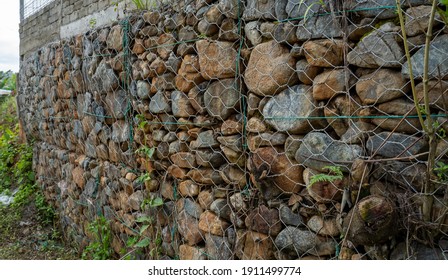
x: 30, y: 7
x: 243, y: 130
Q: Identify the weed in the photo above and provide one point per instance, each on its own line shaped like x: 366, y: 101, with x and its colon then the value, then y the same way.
x: 335, y: 173
x: 100, y: 247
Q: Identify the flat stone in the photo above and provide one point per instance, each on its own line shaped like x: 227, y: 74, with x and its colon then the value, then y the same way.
x: 120, y: 131
x: 189, y: 74
x: 437, y: 63
x: 191, y: 253
x: 270, y: 69
x: 259, y: 10
x: 205, y: 199
x: 231, y: 126
x: 115, y: 38
x: 184, y: 160
x: 256, y: 125
x: 390, y: 145
x: 289, y: 110
x: 188, y: 228
x: 180, y: 105
x: 417, y: 20
x: 378, y: 49
x: 320, y: 27
x: 306, y: 72
x: 218, y: 247
x: 296, y: 241
x: 264, y: 220
x: 258, y: 246
x: 379, y: 8
x: 300, y: 8
x: 331, y: 83
x: 234, y: 176
x: 325, y: 227
x: 206, y: 139
x: 221, y: 208
x: 289, y: 218
x: 324, y: 52
x: 266, y: 139
x: 209, y: 158
x: 395, y: 109
x: 319, y: 150
x: 234, y: 142
x: 188, y: 188
x: 437, y: 92
x: 205, y: 176
x: 159, y: 103
x: 192, y: 208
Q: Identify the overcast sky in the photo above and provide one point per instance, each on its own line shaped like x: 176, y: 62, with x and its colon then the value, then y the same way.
x: 9, y: 35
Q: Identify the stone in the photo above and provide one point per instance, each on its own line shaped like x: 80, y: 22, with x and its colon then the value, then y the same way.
x: 234, y: 142
x: 184, y: 160
x: 180, y: 105
x: 381, y: 86
x: 270, y: 70
x: 319, y: 150
x: 138, y: 47
x: 255, y: 125
x: 258, y: 246
x: 233, y: 157
x: 343, y: 105
x: 266, y: 139
x: 143, y: 90
x: 437, y: 65
x: 167, y: 190
x: 324, y: 192
x: 296, y: 241
x: 285, y: 32
x: 324, y: 52
x: 115, y: 38
x: 273, y: 173
x: 306, y: 72
x: 289, y: 110
x: 217, y: 59
x: 302, y: 8
x: 231, y: 126
x: 391, y: 145
x: 233, y: 176
x: 209, y: 158
x: 135, y: 200
x: 319, y: 27
x: 408, y: 175
x: 211, y: 223
x: 264, y: 220
x: 259, y: 10
x: 189, y: 74
x: 196, y: 97
x: 120, y: 131
x: 292, y: 144
x: 437, y: 92
x: 206, y: 139
x: 188, y: 188
x: 358, y: 132
x: 325, y: 227
x: 288, y: 217
x: 222, y: 98
x: 191, y: 253
x: 167, y: 44
x: 192, y: 208
x: 78, y: 177
x: 252, y: 32
x: 104, y: 80
x: 205, y: 199
x: 397, y: 110
x: 230, y: 8
x: 331, y: 83
x: 228, y: 30
x: 156, y: 68
x: 417, y: 20
x: 205, y: 176
x: 218, y: 248
x: 221, y: 208
x: 378, y: 49
x: 374, y: 9
x: 188, y: 228
x: 159, y: 103
x: 177, y: 172
x: 165, y: 82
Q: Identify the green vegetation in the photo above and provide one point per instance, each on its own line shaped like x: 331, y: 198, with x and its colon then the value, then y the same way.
x: 8, y: 80
x: 100, y: 246
x: 335, y: 173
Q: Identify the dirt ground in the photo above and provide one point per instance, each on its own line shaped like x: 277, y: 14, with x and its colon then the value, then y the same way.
x: 23, y: 237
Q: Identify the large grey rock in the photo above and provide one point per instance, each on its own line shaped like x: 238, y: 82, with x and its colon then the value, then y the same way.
x: 116, y: 104
x: 231, y: 8
x: 319, y: 27
x: 221, y: 208
x: 256, y: 9
x: 417, y: 20
x: 390, y: 145
x: 120, y: 131
x: 319, y: 150
x: 181, y: 106
x: 378, y: 49
x: 438, y: 60
x: 288, y: 110
x: 222, y: 98
x: 300, y: 8
x: 159, y: 103
x: 104, y: 79
x: 252, y: 31
x: 288, y: 217
x: 143, y: 89
x: 218, y: 247
x: 296, y: 241
x: 380, y: 9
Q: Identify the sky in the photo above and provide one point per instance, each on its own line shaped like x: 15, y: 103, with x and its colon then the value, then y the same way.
x: 9, y: 35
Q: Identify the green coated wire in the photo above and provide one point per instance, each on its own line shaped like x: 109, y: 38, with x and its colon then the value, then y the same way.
x: 350, y: 117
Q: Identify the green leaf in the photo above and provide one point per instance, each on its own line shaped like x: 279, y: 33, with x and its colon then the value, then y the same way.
x: 143, y: 228
x: 156, y: 202
x: 143, y: 243
x: 143, y: 219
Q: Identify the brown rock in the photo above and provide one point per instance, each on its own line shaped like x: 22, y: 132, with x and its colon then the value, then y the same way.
x: 255, y: 125
x: 217, y: 59
x: 270, y: 70
x: 437, y: 93
x: 188, y: 188
x: 234, y: 157
x: 325, y: 227
x: 222, y: 98
x: 258, y: 246
x: 331, y: 83
x: 167, y: 190
x: 324, y: 191
x: 264, y: 220
x: 325, y: 52
x: 138, y: 47
x: 177, y: 172
x: 206, y: 176
x: 184, y: 160
x: 205, y: 199
x: 233, y: 176
x: 115, y: 38
x: 189, y: 74
x: 191, y: 253
x: 231, y: 126
x: 209, y: 222
x: 180, y: 105
x: 266, y: 139
x: 381, y: 86
x: 342, y: 105
x: 417, y: 20
x: 188, y: 227
x: 306, y: 72
x: 167, y: 43
x: 273, y: 173
x: 78, y: 177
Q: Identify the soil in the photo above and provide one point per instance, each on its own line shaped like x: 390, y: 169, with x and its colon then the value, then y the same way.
x: 24, y: 237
